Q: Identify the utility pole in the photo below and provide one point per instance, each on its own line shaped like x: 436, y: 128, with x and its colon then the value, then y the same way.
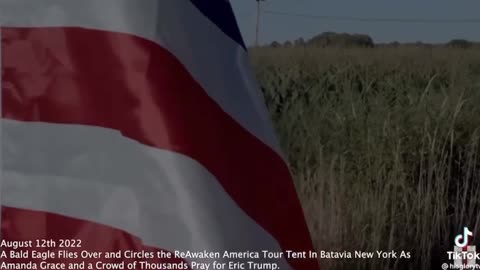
x: 257, y: 33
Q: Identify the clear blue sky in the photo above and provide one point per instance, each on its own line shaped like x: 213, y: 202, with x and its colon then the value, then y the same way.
x: 281, y: 28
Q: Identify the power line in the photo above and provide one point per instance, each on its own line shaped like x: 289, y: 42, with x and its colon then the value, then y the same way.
x: 364, y: 19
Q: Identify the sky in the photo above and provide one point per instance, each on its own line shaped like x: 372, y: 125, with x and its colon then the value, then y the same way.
x: 281, y: 28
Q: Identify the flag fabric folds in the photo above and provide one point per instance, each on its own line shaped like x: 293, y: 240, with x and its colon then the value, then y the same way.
x: 138, y: 125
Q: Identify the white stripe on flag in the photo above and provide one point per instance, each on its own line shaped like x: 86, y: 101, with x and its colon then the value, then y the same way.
x: 96, y: 174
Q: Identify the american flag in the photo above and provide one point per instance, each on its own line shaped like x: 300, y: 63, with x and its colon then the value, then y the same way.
x: 138, y: 125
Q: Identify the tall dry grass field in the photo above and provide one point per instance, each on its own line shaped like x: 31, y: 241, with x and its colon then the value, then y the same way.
x: 383, y: 144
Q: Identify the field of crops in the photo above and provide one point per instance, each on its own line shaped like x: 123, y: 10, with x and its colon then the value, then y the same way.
x: 383, y: 144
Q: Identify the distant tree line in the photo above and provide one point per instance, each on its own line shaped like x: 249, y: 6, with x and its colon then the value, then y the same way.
x: 344, y: 40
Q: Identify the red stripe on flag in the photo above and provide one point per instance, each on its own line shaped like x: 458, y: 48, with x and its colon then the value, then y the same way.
x: 24, y: 225
x: 123, y: 82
